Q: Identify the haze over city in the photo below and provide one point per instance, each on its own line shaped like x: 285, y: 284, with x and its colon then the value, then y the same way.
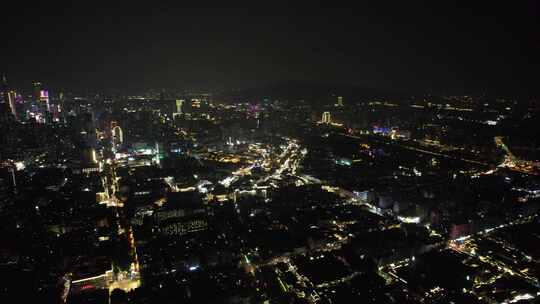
x: 270, y: 153
x: 418, y: 46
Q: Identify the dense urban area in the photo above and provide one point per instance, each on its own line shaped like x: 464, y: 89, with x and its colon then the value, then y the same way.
x: 281, y: 195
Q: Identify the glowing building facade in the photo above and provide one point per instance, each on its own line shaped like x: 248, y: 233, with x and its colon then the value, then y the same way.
x: 339, y: 101
x: 326, y: 118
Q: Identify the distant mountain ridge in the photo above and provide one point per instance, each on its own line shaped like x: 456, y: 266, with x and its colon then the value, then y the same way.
x: 309, y: 91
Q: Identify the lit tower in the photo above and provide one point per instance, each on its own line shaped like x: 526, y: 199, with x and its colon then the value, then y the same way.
x: 9, y: 97
x: 10, y: 100
x: 179, y: 107
x: 44, y: 98
x: 340, y: 101
x: 117, y: 136
x: 326, y: 118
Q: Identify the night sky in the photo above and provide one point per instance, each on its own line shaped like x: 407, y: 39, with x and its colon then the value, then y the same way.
x: 404, y: 45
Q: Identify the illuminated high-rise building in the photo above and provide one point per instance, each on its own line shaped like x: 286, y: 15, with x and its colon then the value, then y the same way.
x: 9, y: 97
x: 339, y: 101
x: 179, y: 107
x: 10, y: 101
x: 326, y: 118
x: 117, y: 135
x: 44, y: 99
x: 196, y: 103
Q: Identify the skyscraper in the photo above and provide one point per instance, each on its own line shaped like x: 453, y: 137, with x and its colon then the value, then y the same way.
x: 117, y: 137
x: 9, y: 96
x: 326, y: 118
x: 340, y: 101
x: 44, y: 98
x: 10, y: 100
x: 179, y: 107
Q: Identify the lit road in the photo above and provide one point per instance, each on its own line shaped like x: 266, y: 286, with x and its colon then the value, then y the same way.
x: 513, y: 163
x: 415, y: 149
x: 287, y: 162
x: 466, y: 245
x: 127, y: 279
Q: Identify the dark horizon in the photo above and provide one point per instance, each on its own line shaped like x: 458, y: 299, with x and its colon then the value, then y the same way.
x: 414, y: 47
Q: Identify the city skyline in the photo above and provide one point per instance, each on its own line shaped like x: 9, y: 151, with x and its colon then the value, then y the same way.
x: 296, y: 153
